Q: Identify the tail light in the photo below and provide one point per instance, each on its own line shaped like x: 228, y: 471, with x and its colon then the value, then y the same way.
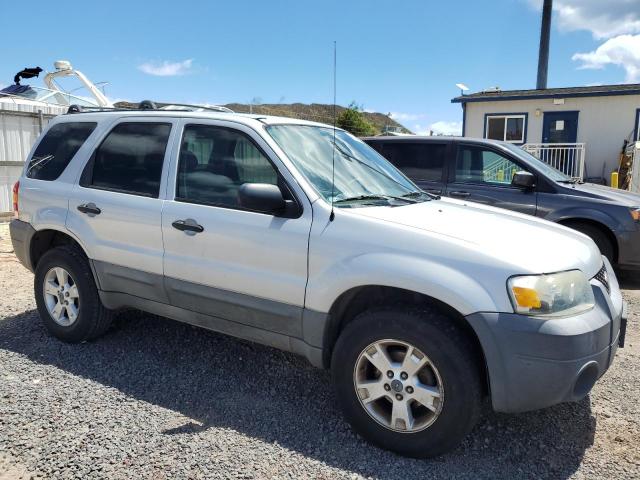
x: 16, y: 189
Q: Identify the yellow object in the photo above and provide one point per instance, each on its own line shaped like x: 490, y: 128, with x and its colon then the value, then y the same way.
x: 614, y: 179
x: 635, y: 214
x: 500, y: 175
x: 526, y: 297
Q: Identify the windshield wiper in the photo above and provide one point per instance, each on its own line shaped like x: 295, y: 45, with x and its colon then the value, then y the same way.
x: 571, y: 180
x: 373, y: 197
x: 420, y: 193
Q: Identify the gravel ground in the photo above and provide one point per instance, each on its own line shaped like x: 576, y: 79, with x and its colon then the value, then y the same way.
x: 158, y: 399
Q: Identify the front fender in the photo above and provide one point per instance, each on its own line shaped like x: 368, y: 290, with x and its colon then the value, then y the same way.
x: 585, y: 213
x: 460, y: 291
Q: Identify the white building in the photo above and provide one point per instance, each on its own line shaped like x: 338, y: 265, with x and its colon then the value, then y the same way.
x: 567, y: 127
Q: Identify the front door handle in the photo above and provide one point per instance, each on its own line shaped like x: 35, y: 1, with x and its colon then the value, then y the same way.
x: 188, y: 225
x: 89, y: 208
x: 460, y: 194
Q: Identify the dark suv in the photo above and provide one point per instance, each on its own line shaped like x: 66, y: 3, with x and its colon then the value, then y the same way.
x: 503, y: 175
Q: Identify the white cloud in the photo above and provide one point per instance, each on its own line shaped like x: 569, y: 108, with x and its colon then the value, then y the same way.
x: 439, y: 128
x: 623, y: 51
x: 406, y: 117
x: 616, y: 22
x: 603, y: 18
x: 166, y: 68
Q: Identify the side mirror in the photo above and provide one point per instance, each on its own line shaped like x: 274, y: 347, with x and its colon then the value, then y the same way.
x: 262, y: 197
x: 524, y: 179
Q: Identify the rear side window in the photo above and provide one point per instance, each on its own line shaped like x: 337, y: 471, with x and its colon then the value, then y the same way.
x: 418, y: 161
x: 130, y: 159
x: 57, y: 148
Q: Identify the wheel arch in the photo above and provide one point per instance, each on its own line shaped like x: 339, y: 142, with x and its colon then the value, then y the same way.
x: 48, y: 238
x: 358, y: 299
x: 572, y: 222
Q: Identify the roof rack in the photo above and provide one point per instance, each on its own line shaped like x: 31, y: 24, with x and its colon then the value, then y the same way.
x: 151, y: 105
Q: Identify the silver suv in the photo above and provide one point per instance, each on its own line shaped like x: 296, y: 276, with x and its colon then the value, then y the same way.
x: 299, y: 236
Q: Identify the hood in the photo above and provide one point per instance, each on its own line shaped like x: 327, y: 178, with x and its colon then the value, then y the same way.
x: 520, y: 243
x: 621, y: 197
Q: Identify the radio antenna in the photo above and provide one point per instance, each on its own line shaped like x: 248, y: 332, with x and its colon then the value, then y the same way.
x: 333, y: 156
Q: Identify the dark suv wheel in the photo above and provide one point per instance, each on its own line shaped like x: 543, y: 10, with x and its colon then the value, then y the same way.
x: 407, y: 380
x: 67, y: 297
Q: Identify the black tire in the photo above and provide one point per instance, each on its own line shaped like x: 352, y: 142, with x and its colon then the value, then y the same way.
x: 599, y: 237
x: 93, y: 318
x: 451, y: 352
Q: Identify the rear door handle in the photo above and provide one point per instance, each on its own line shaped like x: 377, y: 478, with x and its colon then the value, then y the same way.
x: 434, y: 191
x: 457, y: 193
x: 188, y: 225
x: 89, y: 208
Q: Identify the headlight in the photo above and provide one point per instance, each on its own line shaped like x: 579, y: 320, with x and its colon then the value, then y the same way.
x: 635, y: 213
x: 553, y: 295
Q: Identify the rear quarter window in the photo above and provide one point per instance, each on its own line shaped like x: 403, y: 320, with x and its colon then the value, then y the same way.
x: 57, y: 148
x: 418, y: 161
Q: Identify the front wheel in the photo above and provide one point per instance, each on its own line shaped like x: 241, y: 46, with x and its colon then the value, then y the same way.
x: 407, y: 380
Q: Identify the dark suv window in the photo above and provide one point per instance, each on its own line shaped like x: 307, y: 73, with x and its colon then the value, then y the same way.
x: 215, y: 162
x: 57, y: 148
x: 479, y: 165
x: 130, y: 159
x: 418, y: 161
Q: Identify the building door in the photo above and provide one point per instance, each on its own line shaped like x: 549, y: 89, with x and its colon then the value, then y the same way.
x: 560, y: 127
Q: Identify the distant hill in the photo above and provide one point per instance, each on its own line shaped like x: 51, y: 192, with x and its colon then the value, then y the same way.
x: 317, y: 112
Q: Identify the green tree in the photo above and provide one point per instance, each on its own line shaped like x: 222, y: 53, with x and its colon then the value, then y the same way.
x: 353, y: 120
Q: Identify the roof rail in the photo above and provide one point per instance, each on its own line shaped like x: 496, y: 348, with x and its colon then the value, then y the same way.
x: 151, y: 105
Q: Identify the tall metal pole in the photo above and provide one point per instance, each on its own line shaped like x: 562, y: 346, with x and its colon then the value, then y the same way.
x: 543, y: 55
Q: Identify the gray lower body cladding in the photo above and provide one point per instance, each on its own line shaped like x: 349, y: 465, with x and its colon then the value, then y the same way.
x: 21, y: 234
x: 535, y: 363
x: 268, y: 322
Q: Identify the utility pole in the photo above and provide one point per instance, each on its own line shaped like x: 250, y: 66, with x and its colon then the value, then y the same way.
x: 543, y: 55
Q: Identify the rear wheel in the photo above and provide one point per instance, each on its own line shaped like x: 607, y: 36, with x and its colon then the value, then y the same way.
x: 407, y: 380
x: 67, y: 297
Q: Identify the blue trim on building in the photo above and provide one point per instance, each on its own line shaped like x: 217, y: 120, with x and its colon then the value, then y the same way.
x: 500, y: 98
x: 636, y: 130
x: 526, y: 123
x: 464, y: 119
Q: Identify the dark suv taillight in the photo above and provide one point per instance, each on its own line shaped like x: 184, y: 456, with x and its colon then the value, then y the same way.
x: 16, y: 189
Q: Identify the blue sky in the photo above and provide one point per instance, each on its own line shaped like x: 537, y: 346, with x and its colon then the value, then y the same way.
x: 403, y: 57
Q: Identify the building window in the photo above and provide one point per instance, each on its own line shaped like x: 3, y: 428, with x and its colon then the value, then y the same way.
x: 638, y: 125
x: 507, y: 128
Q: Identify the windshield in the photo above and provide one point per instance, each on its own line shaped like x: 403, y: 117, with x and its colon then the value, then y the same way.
x: 546, y: 169
x: 361, y: 174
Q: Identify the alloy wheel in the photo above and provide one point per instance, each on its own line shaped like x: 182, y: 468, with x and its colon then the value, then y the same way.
x: 61, y: 296
x: 398, y: 386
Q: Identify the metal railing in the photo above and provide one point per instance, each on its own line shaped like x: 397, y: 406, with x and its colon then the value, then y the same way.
x: 566, y: 157
x: 500, y: 171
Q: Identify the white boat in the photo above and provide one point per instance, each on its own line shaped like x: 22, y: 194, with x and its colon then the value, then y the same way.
x: 26, y: 109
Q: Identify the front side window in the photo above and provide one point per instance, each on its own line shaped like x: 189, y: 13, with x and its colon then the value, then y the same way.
x: 478, y: 165
x: 215, y: 162
x: 57, y: 148
x: 130, y: 159
x: 418, y: 161
x: 506, y: 128
x: 361, y: 175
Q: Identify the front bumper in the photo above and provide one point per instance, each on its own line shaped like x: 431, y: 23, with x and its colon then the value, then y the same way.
x: 629, y: 249
x: 534, y: 363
